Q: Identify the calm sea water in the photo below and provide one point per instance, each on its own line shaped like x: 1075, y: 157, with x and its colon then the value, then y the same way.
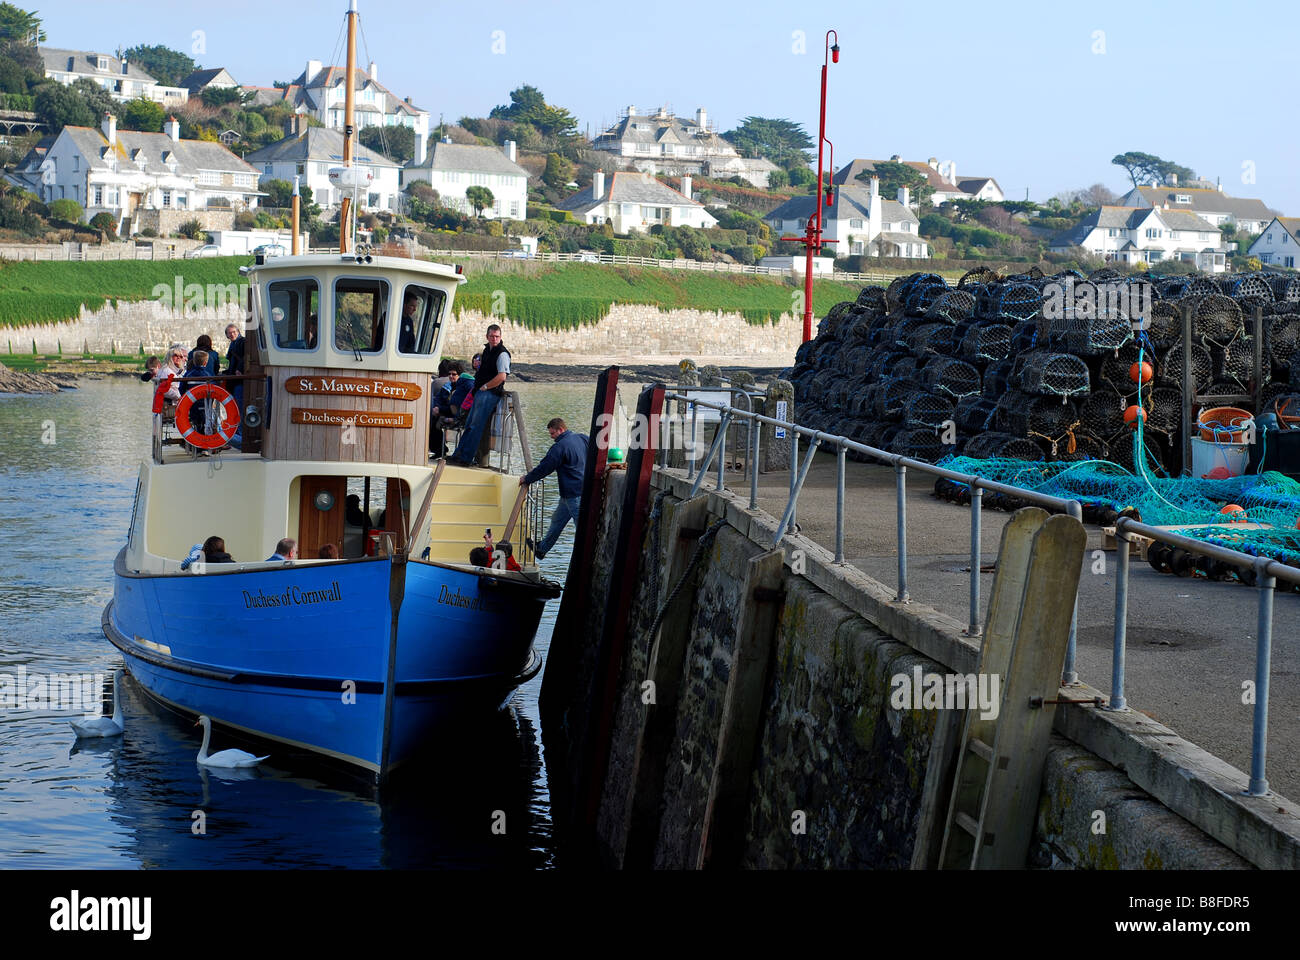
x: 68, y: 464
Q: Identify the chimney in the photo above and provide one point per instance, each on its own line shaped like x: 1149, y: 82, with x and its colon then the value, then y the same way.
x: 895, y: 159
x: 1173, y: 179
x: 700, y: 118
x: 933, y: 163
x: 110, y: 128
x: 313, y: 68
x: 875, y: 189
x: 374, y: 72
x: 873, y: 210
x: 631, y: 111
x: 421, y: 149
x: 1218, y: 182
x: 952, y: 172
x: 904, y: 196
x: 598, y: 185
x: 511, y: 151
x: 686, y: 187
x: 125, y: 68
x: 173, y: 129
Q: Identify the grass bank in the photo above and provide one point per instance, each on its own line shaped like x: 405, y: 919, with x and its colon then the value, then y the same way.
x: 48, y: 292
x: 559, y: 296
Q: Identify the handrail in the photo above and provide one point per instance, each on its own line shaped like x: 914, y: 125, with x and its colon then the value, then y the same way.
x: 1267, y: 571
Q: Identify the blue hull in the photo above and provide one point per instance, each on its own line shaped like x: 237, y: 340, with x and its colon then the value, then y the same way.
x: 301, y: 654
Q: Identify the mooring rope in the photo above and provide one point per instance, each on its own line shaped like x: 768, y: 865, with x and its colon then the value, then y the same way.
x: 705, y: 539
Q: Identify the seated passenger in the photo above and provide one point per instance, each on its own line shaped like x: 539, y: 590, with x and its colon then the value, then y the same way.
x: 212, y: 366
x: 512, y: 564
x: 150, y: 369
x: 329, y: 552
x: 198, y: 368
x: 353, y: 515
x: 214, y: 551
x: 479, y: 557
x: 310, y: 337
x: 285, y: 550
x: 168, y: 374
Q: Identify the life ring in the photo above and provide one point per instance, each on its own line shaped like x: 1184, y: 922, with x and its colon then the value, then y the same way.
x: 223, y: 432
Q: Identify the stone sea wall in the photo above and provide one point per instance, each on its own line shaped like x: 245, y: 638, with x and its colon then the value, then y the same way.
x: 124, y: 328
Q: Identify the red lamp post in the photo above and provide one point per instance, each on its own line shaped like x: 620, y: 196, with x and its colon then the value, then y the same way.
x: 812, y: 238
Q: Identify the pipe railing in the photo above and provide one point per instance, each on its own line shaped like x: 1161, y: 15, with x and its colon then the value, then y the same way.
x: 1267, y: 571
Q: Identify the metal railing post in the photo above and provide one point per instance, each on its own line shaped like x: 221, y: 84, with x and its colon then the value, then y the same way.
x: 839, y: 502
x: 794, y: 459
x: 900, y: 476
x: 1263, y: 658
x: 1069, y: 674
x: 973, y: 629
x: 1117, y: 701
x: 756, y: 432
x: 695, y: 413
x: 787, y: 520
x: 722, y: 451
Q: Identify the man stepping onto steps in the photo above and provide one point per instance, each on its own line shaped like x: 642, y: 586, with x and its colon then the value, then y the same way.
x: 489, y: 388
x: 567, y: 459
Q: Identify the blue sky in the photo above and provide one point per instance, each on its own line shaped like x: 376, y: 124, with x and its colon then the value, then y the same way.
x: 1038, y: 95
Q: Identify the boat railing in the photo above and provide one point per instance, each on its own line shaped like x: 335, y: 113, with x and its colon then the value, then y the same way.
x: 164, y: 423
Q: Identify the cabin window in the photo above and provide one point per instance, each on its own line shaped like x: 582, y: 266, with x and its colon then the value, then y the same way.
x: 360, y: 308
x: 294, y: 311
x: 421, y: 319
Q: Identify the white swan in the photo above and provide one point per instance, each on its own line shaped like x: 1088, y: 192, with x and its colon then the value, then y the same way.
x: 226, y: 758
x: 103, y: 726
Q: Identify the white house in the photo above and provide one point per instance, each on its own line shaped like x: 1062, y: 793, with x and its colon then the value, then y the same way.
x: 942, y: 177
x: 217, y: 78
x: 452, y: 168
x: 663, y: 143
x: 313, y: 152
x: 637, y: 201
x: 860, y: 221
x: 129, y: 174
x: 321, y: 92
x: 1279, y: 244
x: 123, y: 80
x: 1147, y: 235
x: 1208, y: 203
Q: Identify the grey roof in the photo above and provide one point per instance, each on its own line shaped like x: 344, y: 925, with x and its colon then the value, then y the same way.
x: 850, y: 202
x: 895, y: 237
x: 201, y: 78
x: 190, y: 156
x: 471, y: 157
x: 1185, y: 220
x: 629, y: 188
x: 333, y: 76
x: 1202, y: 200
x: 316, y: 143
x: 83, y: 61
x: 655, y: 129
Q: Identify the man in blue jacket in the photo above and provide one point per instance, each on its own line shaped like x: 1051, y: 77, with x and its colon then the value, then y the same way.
x: 567, y: 459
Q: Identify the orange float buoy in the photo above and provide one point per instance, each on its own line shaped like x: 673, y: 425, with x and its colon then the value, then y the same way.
x: 1236, y: 513
x: 1142, y: 370
x: 1133, y: 414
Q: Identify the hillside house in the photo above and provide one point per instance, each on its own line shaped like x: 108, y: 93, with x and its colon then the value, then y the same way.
x: 123, y: 80
x: 637, y: 201
x: 452, y: 168
x: 1279, y: 243
x: 1147, y: 235
x: 860, y: 220
x: 312, y: 152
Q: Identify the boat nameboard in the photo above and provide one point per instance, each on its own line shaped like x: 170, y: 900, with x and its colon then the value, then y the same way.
x: 354, y: 387
x: 344, y: 418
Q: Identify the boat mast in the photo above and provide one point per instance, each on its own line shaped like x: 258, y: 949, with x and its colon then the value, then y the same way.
x: 348, y: 130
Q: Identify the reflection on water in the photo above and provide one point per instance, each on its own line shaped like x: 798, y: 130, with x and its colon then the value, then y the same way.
x: 68, y: 465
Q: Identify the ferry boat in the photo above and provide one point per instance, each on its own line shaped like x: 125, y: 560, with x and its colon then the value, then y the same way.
x: 359, y: 659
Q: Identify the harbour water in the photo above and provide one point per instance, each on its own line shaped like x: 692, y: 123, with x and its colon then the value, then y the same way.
x: 67, y: 474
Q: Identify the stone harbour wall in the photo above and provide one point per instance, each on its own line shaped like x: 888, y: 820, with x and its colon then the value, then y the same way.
x: 832, y: 774
x: 125, y: 327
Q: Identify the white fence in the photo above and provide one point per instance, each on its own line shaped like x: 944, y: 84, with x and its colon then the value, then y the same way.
x: 90, y: 252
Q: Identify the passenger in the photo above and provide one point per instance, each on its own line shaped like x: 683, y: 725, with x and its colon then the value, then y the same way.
x: 567, y: 458
x: 214, y: 551
x: 198, y: 368
x: 329, y: 552
x: 150, y: 369
x: 353, y: 515
x: 309, y: 338
x: 285, y: 550
x: 508, y: 551
x: 479, y: 557
x: 171, y: 371
x: 406, y: 329
x: 212, y: 365
x: 441, y: 412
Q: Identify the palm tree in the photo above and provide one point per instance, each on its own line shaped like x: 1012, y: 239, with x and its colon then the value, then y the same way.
x: 479, y: 198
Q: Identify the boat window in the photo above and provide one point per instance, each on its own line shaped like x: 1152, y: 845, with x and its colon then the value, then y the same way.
x: 294, y: 312
x: 360, y: 307
x: 421, y: 319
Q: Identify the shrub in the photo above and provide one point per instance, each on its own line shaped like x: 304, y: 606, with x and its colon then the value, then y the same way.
x: 148, y: 232
x: 67, y: 210
x: 190, y: 229
x: 245, y: 221
x: 104, y: 223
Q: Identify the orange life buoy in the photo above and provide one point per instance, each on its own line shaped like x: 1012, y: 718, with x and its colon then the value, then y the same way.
x: 223, y: 432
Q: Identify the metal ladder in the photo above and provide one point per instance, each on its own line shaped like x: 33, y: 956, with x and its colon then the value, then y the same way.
x: 1000, y: 759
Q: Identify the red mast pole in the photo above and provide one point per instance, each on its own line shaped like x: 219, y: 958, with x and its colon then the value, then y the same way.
x: 812, y: 238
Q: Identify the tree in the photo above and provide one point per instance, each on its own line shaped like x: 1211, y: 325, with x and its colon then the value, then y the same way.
x: 190, y: 229
x: 894, y: 174
x: 169, y: 67
x: 144, y: 115
x: 68, y: 210
x: 559, y: 171
x: 58, y: 106
x: 784, y: 142
x: 1098, y: 195
x: 396, y: 143
x: 523, y: 101
x: 778, y: 179
x: 217, y: 97
x: 1147, y: 168
x: 479, y: 198
x: 20, y: 26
